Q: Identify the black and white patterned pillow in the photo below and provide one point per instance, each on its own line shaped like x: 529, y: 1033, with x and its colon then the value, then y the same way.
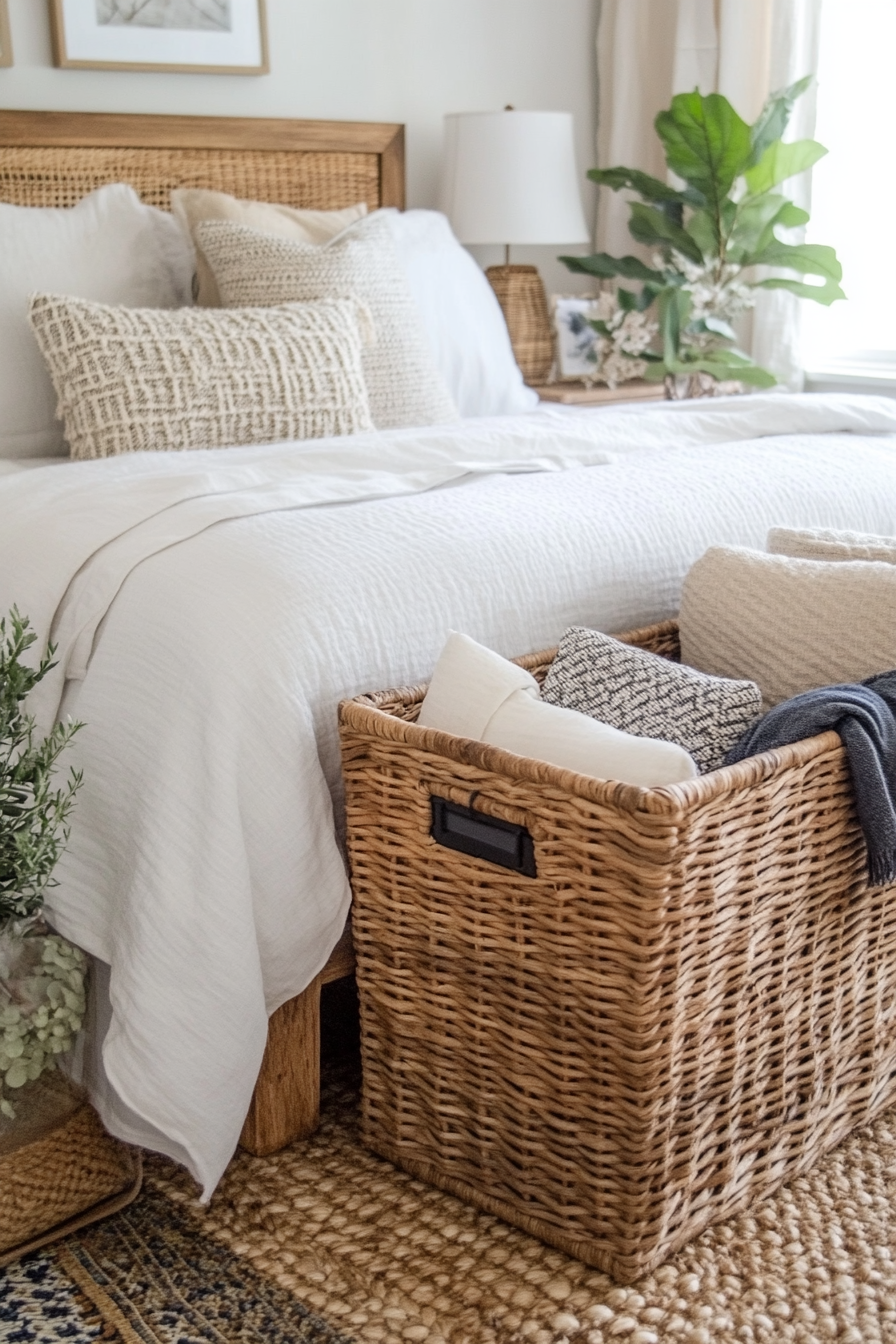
x: 650, y: 696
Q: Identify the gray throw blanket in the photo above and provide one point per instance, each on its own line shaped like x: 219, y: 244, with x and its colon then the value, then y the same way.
x: 865, y: 717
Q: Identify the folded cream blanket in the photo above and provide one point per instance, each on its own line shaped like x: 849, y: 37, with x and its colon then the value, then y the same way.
x: 478, y: 694
x: 790, y: 625
x: 822, y: 543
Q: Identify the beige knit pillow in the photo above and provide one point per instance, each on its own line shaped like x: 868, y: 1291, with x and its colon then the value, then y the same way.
x: 136, y: 379
x: 253, y: 268
x: 789, y: 625
x: 191, y: 205
x: 820, y: 543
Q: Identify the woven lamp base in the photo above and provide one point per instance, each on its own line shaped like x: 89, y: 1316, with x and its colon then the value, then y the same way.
x: 520, y: 292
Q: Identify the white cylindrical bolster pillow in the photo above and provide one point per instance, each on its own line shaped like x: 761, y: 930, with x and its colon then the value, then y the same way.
x: 475, y: 693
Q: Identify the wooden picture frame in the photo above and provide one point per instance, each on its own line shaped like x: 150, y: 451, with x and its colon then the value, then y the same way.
x: 5, y: 35
x: 82, y: 40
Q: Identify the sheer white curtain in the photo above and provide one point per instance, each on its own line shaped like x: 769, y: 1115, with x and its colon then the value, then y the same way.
x: 648, y: 50
x: 854, y: 192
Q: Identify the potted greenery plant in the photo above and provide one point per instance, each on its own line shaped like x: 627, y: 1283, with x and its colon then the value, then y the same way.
x: 59, y: 1168
x: 42, y: 976
x: 710, y: 234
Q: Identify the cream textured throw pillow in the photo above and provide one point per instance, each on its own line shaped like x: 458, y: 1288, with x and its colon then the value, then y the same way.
x: 191, y: 205
x: 789, y: 625
x: 255, y: 269
x: 819, y: 543
x: 135, y: 379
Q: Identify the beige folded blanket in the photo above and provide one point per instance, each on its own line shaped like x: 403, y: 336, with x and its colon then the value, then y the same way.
x: 820, y: 543
x: 788, y: 624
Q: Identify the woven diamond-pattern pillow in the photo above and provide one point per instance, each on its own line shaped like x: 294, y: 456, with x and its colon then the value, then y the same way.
x: 137, y: 379
x: 650, y: 696
x: 406, y: 388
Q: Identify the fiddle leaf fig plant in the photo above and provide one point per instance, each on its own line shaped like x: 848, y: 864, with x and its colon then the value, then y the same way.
x: 710, y: 234
x: 33, y: 814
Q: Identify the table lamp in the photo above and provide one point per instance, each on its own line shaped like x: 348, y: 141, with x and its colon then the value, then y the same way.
x: 510, y: 177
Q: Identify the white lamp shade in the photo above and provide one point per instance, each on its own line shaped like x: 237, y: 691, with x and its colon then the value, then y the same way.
x: 510, y: 177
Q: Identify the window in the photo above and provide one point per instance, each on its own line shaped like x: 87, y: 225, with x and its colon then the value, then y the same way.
x: 854, y: 190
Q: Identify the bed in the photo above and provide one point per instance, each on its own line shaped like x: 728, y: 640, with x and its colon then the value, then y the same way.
x: 55, y: 159
x: 212, y: 610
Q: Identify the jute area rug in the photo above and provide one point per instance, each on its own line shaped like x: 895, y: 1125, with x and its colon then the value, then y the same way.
x: 325, y: 1243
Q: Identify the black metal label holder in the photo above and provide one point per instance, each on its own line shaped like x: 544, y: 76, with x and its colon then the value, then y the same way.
x: 472, y: 832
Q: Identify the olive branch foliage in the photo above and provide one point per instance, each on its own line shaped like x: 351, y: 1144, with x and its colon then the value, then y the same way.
x: 34, y: 824
x: 713, y: 230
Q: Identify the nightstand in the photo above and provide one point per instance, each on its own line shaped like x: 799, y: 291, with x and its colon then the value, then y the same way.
x: 577, y: 394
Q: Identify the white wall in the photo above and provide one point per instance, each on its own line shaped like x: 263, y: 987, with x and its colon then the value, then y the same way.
x: 365, y: 60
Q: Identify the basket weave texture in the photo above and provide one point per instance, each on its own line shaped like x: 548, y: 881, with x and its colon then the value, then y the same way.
x: 520, y: 292
x: 47, y: 176
x: 65, y: 1179
x: 693, y: 999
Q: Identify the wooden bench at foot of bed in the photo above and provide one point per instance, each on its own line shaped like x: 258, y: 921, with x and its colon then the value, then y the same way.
x: 286, y: 1101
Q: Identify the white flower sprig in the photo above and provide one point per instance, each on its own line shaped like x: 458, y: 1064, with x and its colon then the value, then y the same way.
x: 40, y: 1016
x: 630, y: 334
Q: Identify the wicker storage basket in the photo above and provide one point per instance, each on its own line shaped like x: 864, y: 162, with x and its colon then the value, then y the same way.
x: 65, y: 1178
x: 692, y: 1000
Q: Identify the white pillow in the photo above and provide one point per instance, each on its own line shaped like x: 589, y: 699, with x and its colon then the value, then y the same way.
x: 476, y: 693
x: 109, y: 247
x: 461, y: 316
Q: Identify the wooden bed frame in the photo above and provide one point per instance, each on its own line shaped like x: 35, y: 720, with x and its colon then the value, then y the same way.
x: 55, y: 158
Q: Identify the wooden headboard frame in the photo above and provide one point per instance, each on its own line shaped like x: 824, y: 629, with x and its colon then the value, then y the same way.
x: 55, y: 158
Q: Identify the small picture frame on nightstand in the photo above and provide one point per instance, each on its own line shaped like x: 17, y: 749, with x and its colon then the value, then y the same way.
x: 575, y: 339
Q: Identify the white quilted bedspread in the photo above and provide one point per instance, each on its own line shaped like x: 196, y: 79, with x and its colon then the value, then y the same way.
x: 212, y: 608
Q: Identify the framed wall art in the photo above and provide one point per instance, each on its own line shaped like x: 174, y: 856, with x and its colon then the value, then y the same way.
x: 5, y: 35
x: 223, y: 37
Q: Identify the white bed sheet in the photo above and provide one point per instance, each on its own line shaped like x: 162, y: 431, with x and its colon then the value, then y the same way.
x: 213, y: 608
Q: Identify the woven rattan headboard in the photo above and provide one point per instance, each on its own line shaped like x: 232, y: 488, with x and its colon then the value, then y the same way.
x: 55, y: 158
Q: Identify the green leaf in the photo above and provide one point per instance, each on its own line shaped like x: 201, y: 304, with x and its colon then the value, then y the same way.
x: 651, y: 188
x: 674, y: 309
x: 746, y: 241
x: 702, y: 228
x: 628, y: 300
x: 827, y: 293
x: 807, y: 258
x: 781, y: 161
x: 755, y: 214
x: 721, y: 369
x: 656, y: 229
x: 715, y: 326
x: 772, y: 121
x: 792, y: 216
x: 706, y: 143
x: 605, y: 266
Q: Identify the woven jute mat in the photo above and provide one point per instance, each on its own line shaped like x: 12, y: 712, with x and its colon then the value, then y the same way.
x: 325, y: 1243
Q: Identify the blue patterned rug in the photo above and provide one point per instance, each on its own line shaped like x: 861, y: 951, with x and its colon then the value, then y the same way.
x: 149, y: 1276
x: 324, y: 1243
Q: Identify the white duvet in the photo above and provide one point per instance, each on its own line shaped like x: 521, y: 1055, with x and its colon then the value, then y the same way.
x: 210, y: 610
